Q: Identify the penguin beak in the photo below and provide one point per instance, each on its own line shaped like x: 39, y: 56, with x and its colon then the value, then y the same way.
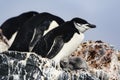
x: 92, y: 25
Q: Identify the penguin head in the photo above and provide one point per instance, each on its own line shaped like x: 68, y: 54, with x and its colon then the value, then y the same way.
x: 29, y: 14
x: 82, y: 25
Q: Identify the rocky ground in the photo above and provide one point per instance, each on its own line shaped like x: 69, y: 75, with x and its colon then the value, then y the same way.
x: 92, y: 60
x: 102, y: 59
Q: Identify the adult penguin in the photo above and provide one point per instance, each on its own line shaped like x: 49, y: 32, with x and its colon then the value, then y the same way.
x: 33, y: 30
x: 12, y: 25
x: 63, y: 40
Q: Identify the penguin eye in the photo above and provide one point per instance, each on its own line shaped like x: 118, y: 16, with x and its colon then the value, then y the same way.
x: 78, y: 24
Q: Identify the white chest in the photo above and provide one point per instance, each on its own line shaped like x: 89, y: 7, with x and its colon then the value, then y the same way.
x: 69, y: 47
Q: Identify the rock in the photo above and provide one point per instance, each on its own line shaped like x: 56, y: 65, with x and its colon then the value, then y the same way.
x: 102, y: 59
x: 29, y: 66
x: 92, y: 60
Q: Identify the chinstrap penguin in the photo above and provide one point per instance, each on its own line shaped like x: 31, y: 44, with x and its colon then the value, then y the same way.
x: 12, y: 25
x: 33, y: 30
x: 77, y: 35
x: 63, y: 40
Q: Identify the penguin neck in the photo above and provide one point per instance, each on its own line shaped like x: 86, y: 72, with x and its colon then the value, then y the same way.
x: 75, y: 29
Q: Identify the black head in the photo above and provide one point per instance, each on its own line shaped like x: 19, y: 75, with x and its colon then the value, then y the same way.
x: 82, y: 25
x: 79, y: 20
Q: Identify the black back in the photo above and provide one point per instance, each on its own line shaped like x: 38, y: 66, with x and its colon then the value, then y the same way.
x: 41, y: 22
x: 10, y: 26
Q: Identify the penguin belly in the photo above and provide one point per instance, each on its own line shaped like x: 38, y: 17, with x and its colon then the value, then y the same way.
x: 11, y: 40
x: 69, y: 47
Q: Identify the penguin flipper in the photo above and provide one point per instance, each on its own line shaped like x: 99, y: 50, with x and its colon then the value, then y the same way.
x: 38, y: 33
x: 56, y: 47
x: 36, y: 36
